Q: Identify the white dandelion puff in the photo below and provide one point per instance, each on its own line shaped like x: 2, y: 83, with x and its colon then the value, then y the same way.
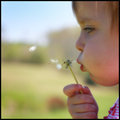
x: 33, y: 48
x: 54, y: 61
x: 58, y: 66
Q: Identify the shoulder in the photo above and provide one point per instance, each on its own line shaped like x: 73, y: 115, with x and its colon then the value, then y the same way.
x: 114, y: 111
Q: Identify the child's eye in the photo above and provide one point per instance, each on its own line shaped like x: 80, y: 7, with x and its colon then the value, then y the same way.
x: 89, y: 29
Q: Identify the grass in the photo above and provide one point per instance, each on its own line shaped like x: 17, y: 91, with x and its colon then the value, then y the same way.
x: 27, y: 88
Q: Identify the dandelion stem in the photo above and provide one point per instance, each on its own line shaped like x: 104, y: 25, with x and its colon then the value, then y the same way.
x: 73, y: 74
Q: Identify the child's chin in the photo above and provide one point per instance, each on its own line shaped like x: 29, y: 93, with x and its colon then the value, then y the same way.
x: 103, y: 81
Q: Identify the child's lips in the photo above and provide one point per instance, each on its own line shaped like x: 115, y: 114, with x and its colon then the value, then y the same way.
x: 82, y: 67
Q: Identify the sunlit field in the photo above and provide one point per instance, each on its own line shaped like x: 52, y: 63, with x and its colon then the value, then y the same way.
x: 27, y: 90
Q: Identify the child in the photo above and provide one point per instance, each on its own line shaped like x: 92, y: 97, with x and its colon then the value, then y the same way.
x: 98, y: 46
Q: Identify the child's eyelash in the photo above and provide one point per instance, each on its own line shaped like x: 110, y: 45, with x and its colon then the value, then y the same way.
x: 89, y: 29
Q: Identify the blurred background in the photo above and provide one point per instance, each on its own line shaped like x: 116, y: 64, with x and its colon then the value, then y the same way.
x: 32, y: 87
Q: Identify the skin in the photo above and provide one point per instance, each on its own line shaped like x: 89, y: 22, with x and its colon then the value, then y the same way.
x: 98, y: 46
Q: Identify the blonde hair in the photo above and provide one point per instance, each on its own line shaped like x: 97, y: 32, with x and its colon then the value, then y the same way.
x: 112, y: 6
x: 114, y: 9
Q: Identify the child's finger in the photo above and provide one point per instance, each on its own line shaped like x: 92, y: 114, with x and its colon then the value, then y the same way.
x: 72, y: 89
x: 80, y: 99
x: 86, y: 90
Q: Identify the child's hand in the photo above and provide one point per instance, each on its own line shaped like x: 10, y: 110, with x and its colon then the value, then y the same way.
x: 83, y: 105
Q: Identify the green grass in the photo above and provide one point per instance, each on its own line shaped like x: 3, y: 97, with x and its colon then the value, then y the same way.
x: 26, y: 89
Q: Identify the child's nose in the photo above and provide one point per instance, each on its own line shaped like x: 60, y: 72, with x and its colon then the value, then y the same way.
x: 80, y: 45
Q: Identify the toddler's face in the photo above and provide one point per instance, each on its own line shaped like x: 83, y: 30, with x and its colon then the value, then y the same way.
x: 98, y: 46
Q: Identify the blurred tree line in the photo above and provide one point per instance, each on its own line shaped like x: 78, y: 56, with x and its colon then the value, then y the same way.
x: 19, y: 52
x: 61, y: 45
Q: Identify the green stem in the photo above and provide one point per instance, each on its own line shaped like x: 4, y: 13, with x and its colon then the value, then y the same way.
x: 73, y: 74
x: 74, y: 77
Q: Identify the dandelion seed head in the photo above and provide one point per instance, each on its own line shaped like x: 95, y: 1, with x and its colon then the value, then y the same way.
x: 33, y: 48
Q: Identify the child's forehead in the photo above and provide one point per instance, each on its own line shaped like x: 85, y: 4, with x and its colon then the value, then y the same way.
x: 89, y: 10
x: 89, y: 5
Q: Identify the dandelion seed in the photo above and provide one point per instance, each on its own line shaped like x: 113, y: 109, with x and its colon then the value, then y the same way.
x: 58, y: 66
x: 74, y: 61
x: 33, y: 48
x: 54, y: 61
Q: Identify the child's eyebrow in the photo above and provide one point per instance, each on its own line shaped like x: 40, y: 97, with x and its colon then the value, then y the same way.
x: 83, y: 21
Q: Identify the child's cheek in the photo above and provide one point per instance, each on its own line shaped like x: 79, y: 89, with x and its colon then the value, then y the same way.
x: 91, y: 57
x: 100, y: 66
x: 94, y: 60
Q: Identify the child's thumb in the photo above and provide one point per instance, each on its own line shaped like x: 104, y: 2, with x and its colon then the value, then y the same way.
x: 72, y: 89
x: 86, y: 90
